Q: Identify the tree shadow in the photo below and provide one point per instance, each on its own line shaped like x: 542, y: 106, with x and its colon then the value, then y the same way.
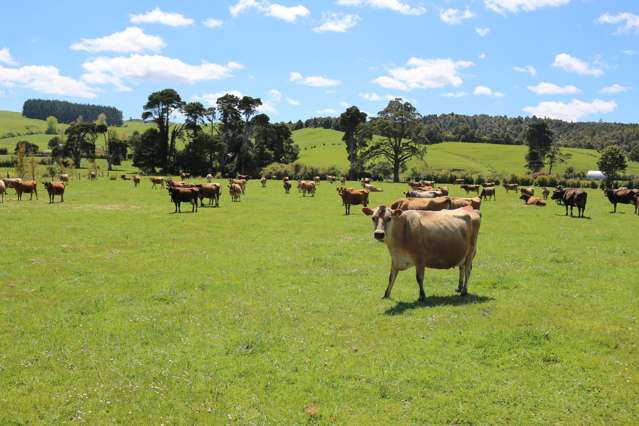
x: 433, y: 301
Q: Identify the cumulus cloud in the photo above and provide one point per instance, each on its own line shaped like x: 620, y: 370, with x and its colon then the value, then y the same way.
x: 454, y: 94
x: 6, y: 58
x: 424, y: 74
x: 395, y: 5
x: 157, y: 16
x: 275, y: 10
x: 482, y: 56
x: 313, y: 81
x: 514, y: 6
x: 545, y: 88
x: 44, y: 79
x: 487, y: 91
x: 628, y: 22
x: 527, y: 69
x: 213, y: 23
x: 571, y: 64
x: 571, y: 111
x: 455, y: 16
x: 482, y: 31
x: 132, y: 39
x: 337, y: 22
x: 156, y: 68
x: 293, y: 102
x: 615, y: 88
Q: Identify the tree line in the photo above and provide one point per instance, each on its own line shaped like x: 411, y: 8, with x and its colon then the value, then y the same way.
x: 68, y: 112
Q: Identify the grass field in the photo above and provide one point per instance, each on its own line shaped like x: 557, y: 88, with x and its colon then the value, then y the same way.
x: 268, y: 311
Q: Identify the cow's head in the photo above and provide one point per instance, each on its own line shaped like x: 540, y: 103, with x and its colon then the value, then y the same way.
x: 381, y: 218
x: 557, y: 194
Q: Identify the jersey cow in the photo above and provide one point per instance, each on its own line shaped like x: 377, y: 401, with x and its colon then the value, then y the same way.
x: 620, y: 196
x: 27, y: 187
x: 181, y: 195
x: 431, y: 204
x: 53, y: 189
x: 352, y: 196
x: 572, y: 198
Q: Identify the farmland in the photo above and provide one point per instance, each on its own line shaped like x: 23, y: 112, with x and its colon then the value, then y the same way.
x: 269, y: 311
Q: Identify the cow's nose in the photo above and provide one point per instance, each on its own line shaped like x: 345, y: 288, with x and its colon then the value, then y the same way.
x: 379, y: 235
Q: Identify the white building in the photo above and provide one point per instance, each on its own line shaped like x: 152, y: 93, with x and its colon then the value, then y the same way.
x: 595, y: 174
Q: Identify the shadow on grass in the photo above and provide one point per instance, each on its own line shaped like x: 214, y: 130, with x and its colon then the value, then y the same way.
x: 432, y: 301
x: 574, y: 217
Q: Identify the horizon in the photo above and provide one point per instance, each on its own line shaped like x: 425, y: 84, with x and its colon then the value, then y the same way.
x: 325, y: 56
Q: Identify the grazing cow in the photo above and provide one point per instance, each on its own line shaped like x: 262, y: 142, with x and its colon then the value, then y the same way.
x: 287, y: 186
x: 460, y: 181
x: 423, y: 194
x: 210, y: 191
x: 235, y: 191
x: 307, y: 187
x: 64, y: 178
x: 3, y: 189
x: 26, y: 187
x: 488, y: 192
x: 529, y: 200
x: 183, y: 195
x: 55, y: 188
x: 240, y: 182
x: 209, y: 178
x: 458, y: 202
x: 438, y: 240
x: 431, y: 204
x: 527, y: 191
x: 263, y: 182
x: 621, y: 195
x: 157, y: 181
x: 136, y: 181
x: 352, y: 196
x: 573, y: 198
x: 470, y: 188
x: 93, y: 175
x: 488, y: 184
x: 372, y: 188
x: 545, y: 192
x: 511, y: 187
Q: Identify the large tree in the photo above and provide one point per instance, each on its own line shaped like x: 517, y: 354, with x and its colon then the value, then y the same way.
x: 231, y: 128
x: 248, y: 108
x: 539, y: 139
x: 159, y: 108
x: 612, y: 161
x: 556, y: 156
x: 81, y: 141
x: 403, y: 135
x: 349, y: 121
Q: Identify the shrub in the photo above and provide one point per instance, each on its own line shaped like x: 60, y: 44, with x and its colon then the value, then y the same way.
x: 4, y: 151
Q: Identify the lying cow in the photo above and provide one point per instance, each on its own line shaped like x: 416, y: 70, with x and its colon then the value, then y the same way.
x: 210, y: 191
x: 432, y: 204
x: 55, y: 188
x: 470, y: 188
x: 620, y: 196
x: 573, y: 198
x: 352, y: 196
x: 532, y: 201
x: 459, y: 202
x: 183, y: 195
x: 26, y: 187
x: 125, y: 177
x: 460, y: 181
x: 372, y: 188
x: 425, y: 239
x: 488, y: 192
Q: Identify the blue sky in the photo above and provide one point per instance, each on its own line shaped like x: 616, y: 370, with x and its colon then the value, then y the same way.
x: 570, y: 59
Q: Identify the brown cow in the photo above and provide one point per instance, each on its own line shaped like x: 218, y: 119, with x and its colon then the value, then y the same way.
x: 307, y: 187
x: 243, y: 177
x: 55, y: 188
x: 621, y: 195
x: 352, y: 196
x: 470, y: 188
x: 263, y: 182
x: 93, y: 175
x: 423, y: 194
x: 488, y: 184
x: 317, y: 180
x: 431, y: 204
x: 459, y: 202
x: 511, y: 187
x: 371, y: 188
x: 11, y: 182
x: 157, y: 181
x: 573, y: 198
x: 425, y: 239
x: 136, y: 181
x: 443, y: 190
x: 527, y: 191
x: 210, y: 191
x: 240, y: 182
x: 64, y: 178
x: 183, y: 195
x: 331, y: 178
x: 545, y: 192
x: 343, y: 180
x: 287, y: 186
x: 235, y: 191
x: 27, y: 187
x: 488, y: 192
x: 532, y: 201
x: 3, y: 189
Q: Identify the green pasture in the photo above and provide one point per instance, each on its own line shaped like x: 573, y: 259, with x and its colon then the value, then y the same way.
x: 269, y: 311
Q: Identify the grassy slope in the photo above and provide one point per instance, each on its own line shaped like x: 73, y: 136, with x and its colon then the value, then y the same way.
x: 323, y: 148
x: 114, y: 310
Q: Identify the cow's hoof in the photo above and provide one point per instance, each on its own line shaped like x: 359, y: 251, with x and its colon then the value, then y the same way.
x: 463, y: 293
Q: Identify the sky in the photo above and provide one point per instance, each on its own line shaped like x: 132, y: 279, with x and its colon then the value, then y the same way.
x: 575, y: 60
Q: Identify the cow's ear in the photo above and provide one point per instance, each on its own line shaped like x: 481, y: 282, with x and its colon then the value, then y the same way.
x: 367, y: 211
x: 397, y: 212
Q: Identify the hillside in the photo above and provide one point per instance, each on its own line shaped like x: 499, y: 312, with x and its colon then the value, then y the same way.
x: 324, y: 148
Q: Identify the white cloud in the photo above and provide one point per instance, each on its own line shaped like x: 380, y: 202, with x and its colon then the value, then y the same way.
x: 156, y: 16
x: 154, y: 68
x: 44, y: 79
x: 454, y: 94
x: 424, y: 74
x: 394, y: 5
x: 630, y: 22
x: 514, y: 6
x: 482, y: 31
x: 486, y: 91
x: 337, y: 22
x: 275, y: 10
x: 275, y: 95
x: 527, y: 69
x: 132, y: 39
x: 630, y: 52
x: 213, y: 23
x: 482, y: 56
x: 455, y: 16
x: 313, y: 81
x: 616, y: 88
x: 211, y: 98
x: 6, y: 58
x: 371, y: 96
x: 545, y: 88
x: 327, y: 111
x: 571, y: 64
x: 293, y: 102
x: 571, y: 111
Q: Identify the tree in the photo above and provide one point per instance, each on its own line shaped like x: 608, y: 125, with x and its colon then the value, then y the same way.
x: 556, y: 156
x: 350, y: 121
x: 81, y: 141
x: 634, y: 153
x: 248, y: 108
x: 146, y: 149
x: 159, y: 108
x: 403, y: 135
x: 52, y: 125
x: 539, y: 139
x: 230, y: 129
x: 611, y: 162
x: 103, y: 129
x: 28, y: 147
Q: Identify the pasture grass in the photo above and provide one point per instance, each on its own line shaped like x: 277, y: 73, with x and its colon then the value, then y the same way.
x: 269, y: 311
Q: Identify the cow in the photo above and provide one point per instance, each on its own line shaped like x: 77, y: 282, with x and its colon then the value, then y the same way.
x: 343, y: 180
x: 545, y: 192
x: 3, y: 189
x: 185, y: 175
x: 263, y: 181
x: 460, y: 181
x: 529, y: 200
x: 64, y: 178
x: 307, y: 187
x: 210, y: 191
x: 26, y: 187
x: 183, y: 195
x: 365, y: 180
x: 235, y: 191
x: 317, y: 180
x: 136, y: 181
x: 93, y: 175
x: 240, y: 182
x: 488, y: 184
x: 470, y: 188
x: 11, y: 182
x: 511, y: 187
x: 443, y: 190
x: 331, y: 178
x: 488, y: 192
x: 637, y: 204
x: 125, y: 177
x: 423, y: 194
x: 352, y: 196
x: 55, y: 188
x: 459, y: 202
x: 621, y: 195
x: 372, y: 188
x: 431, y: 204
x: 157, y: 181
x: 285, y: 179
x: 573, y: 198
x: 425, y: 239
x: 243, y: 177
x: 287, y: 186
x: 527, y: 191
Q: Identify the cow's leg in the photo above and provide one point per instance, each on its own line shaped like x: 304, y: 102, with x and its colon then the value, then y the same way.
x: 419, y: 275
x: 462, y: 277
x: 391, y: 281
x: 62, y: 197
x: 468, y: 268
